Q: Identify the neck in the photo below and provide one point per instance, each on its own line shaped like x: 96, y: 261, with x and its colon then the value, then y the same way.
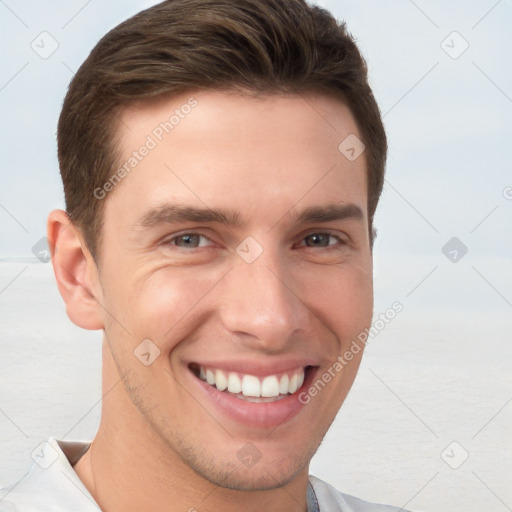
x: 129, y: 468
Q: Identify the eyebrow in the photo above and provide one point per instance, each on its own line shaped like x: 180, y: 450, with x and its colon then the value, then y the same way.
x: 168, y: 214
x: 330, y: 212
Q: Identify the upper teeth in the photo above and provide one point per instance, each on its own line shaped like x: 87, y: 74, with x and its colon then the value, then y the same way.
x: 249, y: 385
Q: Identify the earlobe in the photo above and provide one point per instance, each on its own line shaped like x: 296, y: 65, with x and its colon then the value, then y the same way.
x: 75, y: 271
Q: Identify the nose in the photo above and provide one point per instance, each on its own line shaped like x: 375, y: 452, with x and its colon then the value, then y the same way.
x: 262, y: 305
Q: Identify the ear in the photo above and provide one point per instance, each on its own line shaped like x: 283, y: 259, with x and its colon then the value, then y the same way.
x: 75, y: 271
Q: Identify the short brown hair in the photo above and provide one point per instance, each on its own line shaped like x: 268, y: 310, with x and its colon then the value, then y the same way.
x: 264, y: 46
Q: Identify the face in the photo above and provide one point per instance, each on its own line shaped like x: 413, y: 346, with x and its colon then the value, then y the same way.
x: 238, y: 245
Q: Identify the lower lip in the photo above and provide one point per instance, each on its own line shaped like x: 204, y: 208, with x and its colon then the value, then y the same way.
x: 263, y: 414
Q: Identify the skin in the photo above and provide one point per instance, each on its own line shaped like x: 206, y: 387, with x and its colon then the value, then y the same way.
x: 299, y: 298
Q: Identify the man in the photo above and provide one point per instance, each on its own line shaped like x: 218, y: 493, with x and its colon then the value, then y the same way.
x: 222, y: 162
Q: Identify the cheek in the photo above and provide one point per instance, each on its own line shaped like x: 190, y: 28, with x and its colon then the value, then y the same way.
x: 162, y: 305
x: 342, y: 298
x: 358, y: 303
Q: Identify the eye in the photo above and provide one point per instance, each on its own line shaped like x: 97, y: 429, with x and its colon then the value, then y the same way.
x: 322, y: 240
x: 189, y: 241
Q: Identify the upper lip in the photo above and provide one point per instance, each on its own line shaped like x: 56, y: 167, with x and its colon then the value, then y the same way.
x: 258, y: 369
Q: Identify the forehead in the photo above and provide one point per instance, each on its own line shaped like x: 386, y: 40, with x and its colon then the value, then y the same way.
x: 208, y: 147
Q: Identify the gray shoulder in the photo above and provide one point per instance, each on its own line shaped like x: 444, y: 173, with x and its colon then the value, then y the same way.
x: 332, y: 500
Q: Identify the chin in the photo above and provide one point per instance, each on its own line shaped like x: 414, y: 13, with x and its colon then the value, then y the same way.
x: 271, y: 471
x: 253, y: 479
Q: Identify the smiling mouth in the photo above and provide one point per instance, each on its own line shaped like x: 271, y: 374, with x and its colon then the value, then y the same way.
x: 270, y: 388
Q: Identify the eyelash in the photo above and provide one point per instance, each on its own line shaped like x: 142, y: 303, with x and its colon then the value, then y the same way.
x: 332, y: 234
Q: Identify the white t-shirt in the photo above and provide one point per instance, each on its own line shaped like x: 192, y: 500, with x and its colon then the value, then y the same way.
x: 52, y: 485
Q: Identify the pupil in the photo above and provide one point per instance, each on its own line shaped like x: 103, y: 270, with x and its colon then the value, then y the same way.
x: 318, y: 239
x: 187, y: 240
